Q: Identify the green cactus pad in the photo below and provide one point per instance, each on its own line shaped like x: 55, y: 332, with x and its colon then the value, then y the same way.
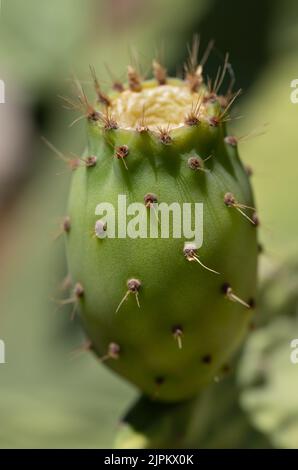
x: 165, y: 315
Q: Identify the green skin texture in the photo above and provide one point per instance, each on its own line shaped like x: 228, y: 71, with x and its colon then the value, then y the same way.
x: 174, y: 291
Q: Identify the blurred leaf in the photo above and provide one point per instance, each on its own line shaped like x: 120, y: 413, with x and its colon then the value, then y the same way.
x: 278, y: 293
x: 267, y: 377
x: 273, y: 155
x: 212, y: 420
x: 48, y: 398
x: 43, y: 43
x: 37, y: 37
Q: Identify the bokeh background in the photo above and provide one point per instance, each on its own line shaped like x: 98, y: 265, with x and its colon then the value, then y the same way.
x: 51, y: 394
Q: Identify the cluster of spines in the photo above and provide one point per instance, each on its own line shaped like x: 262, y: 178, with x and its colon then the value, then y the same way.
x: 193, y: 79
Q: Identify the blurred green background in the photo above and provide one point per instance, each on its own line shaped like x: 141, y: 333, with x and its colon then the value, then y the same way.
x: 50, y: 397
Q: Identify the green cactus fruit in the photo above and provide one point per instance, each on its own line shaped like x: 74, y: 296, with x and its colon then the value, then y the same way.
x: 162, y: 311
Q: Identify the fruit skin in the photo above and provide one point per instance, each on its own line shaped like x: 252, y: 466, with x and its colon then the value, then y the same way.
x: 174, y: 292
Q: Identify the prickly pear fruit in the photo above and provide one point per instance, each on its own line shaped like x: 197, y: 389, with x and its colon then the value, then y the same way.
x: 164, y: 312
